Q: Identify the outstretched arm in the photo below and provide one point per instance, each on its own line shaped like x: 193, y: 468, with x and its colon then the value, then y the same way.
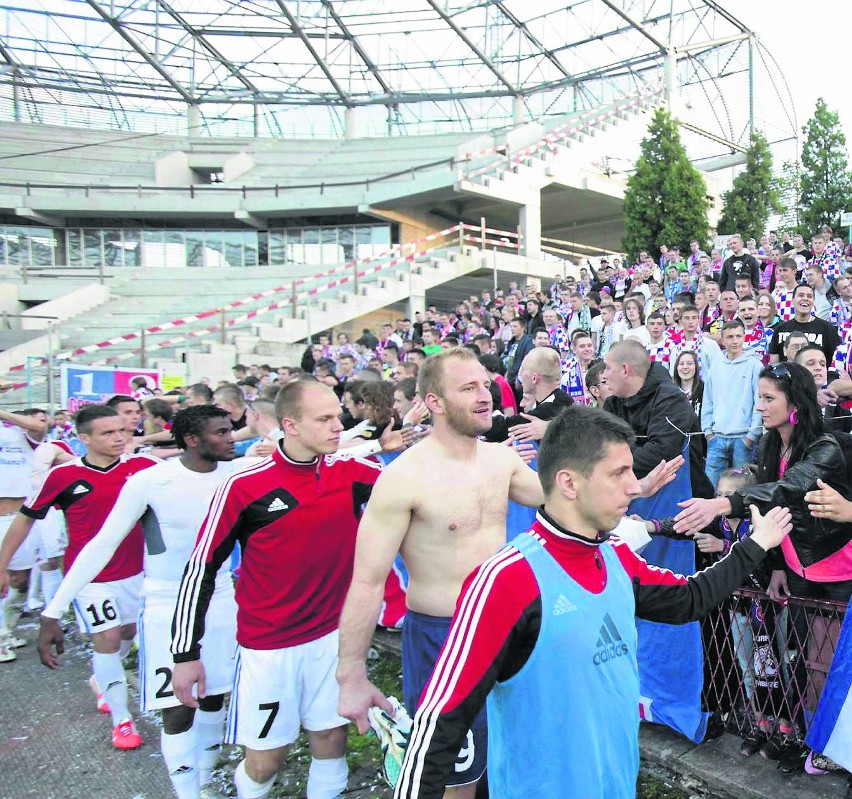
x: 380, y: 534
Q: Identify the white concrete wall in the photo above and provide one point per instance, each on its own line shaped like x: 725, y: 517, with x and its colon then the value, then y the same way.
x: 71, y: 304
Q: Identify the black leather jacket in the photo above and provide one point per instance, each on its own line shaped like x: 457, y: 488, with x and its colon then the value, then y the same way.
x: 813, y: 539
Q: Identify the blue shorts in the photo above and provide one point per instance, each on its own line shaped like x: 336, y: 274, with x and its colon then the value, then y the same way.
x: 422, y: 639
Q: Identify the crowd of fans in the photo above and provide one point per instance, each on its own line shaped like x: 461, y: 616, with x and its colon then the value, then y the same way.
x: 712, y: 326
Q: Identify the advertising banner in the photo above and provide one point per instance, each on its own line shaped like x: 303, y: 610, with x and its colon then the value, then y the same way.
x: 83, y: 385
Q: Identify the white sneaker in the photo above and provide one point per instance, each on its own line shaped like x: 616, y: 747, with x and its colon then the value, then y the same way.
x: 13, y: 642
x: 6, y: 653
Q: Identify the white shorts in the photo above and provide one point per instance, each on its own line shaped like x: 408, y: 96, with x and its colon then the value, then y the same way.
x: 102, y: 606
x: 27, y: 554
x: 155, y: 636
x: 277, y: 690
x: 51, y: 535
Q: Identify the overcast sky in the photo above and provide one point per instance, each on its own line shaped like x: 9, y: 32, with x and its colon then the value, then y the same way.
x: 811, y: 43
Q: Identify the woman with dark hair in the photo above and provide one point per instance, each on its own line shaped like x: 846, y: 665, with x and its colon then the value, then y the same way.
x: 815, y: 560
x: 686, y: 378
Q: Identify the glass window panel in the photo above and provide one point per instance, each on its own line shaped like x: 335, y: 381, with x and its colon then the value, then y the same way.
x: 17, y: 246
x: 213, y: 249
x: 113, y: 248
x: 277, y: 247
x: 41, y: 246
x: 72, y: 242
x: 175, y: 254
x: 2, y: 244
x: 132, y: 247
x: 250, y: 247
x: 346, y: 238
x: 194, y: 248
x: 329, y: 254
x: 153, y: 236
x: 92, y: 249
x: 263, y: 247
x: 312, y: 253
x: 233, y: 251
x: 381, y: 235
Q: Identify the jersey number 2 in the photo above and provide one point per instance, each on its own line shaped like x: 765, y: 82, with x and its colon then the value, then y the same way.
x: 164, y: 690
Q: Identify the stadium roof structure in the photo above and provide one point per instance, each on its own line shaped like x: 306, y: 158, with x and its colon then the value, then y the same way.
x: 336, y: 68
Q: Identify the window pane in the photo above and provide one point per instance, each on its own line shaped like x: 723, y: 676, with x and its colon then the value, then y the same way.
x: 194, y: 248
x: 263, y: 247
x: 17, y: 246
x: 233, y: 240
x: 72, y: 239
x: 113, y: 248
x: 213, y: 249
x: 92, y: 254
x: 346, y: 237
x: 175, y: 255
x: 277, y: 247
x: 41, y: 246
x: 250, y: 247
x: 132, y: 247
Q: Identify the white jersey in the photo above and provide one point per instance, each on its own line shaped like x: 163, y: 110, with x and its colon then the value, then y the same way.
x: 16, y: 461
x: 171, y: 502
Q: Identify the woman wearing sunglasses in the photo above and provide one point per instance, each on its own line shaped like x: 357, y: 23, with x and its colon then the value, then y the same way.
x: 796, y: 456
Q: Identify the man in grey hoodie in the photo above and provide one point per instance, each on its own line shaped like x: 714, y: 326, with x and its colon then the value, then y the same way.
x: 729, y: 417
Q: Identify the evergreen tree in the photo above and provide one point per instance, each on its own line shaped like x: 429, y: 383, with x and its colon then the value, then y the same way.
x: 666, y: 198
x: 825, y: 182
x: 753, y: 195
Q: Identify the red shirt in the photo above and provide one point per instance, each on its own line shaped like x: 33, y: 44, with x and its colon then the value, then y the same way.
x: 86, y: 495
x: 296, y: 525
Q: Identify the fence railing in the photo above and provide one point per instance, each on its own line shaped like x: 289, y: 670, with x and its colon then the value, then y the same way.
x: 765, y: 663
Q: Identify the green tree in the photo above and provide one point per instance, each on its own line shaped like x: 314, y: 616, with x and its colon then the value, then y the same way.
x: 753, y: 195
x: 825, y: 182
x: 666, y: 198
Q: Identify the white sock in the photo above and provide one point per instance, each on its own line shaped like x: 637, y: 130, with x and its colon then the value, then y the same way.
x: 113, y: 684
x: 247, y: 788
x: 327, y: 778
x: 123, y: 648
x: 50, y: 582
x: 179, y: 754
x: 13, y: 607
x: 210, y: 730
x: 34, y: 590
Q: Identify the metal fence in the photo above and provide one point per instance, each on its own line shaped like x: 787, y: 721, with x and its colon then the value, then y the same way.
x: 765, y: 662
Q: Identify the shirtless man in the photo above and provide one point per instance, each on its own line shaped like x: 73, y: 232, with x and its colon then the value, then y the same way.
x: 419, y: 510
x: 442, y: 505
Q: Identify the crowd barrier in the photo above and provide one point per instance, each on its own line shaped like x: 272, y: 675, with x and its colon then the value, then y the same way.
x: 765, y: 661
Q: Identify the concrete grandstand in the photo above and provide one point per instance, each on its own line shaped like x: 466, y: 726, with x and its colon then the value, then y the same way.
x: 371, y: 181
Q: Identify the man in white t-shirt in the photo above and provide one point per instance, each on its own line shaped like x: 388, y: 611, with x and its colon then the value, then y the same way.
x: 171, y: 499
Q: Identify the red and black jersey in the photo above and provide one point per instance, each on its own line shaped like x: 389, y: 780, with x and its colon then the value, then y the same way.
x: 86, y: 495
x: 296, y: 525
x: 498, y: 618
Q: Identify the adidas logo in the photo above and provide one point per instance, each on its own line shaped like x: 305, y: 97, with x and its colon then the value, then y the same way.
x: 610, y: 643
x: 276, y: 506
x: 81, y: 490
x: 563, y: 605
x: 183, y: 770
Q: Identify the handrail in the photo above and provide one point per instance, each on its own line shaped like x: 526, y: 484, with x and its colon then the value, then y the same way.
x: 552, y: 137
x: 223, y: 188
x: 508, y: 239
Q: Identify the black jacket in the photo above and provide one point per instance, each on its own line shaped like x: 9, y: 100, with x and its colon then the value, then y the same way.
x: 549, y: 408
x: 658, y: 413
x: 813, y: 539
x: 525, y: 345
